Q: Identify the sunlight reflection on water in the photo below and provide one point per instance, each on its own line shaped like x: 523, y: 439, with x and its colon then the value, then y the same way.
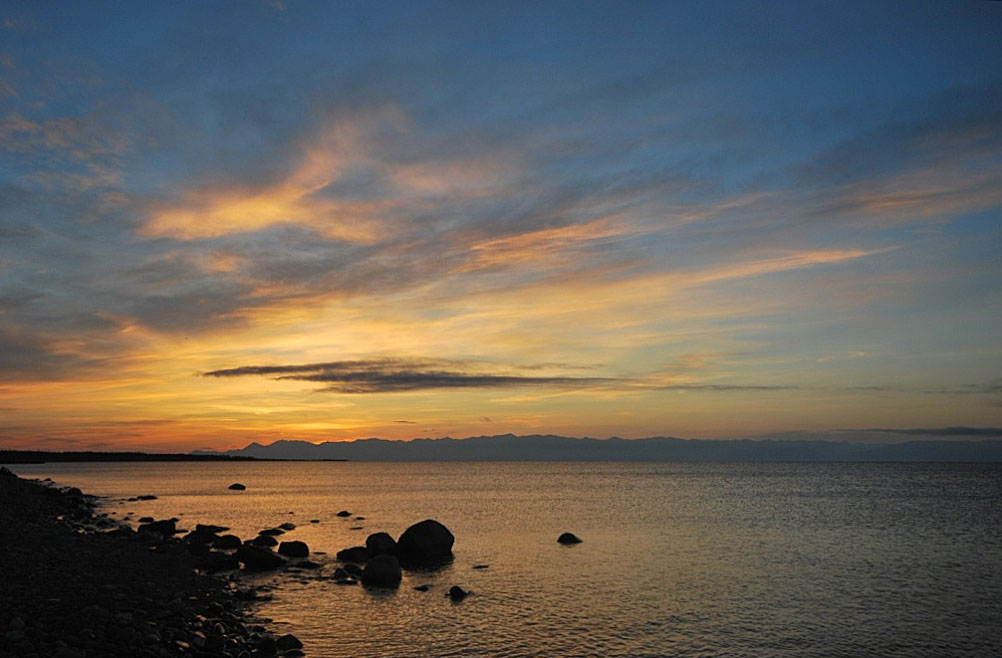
x: 678, y: 559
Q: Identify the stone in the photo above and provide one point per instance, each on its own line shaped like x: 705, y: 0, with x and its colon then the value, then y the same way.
x: 236, y: 486
x: 423, y: 588
x: 457, y: 593
x: 272, y: 531
x: 379, y: 543
x: 568, y: 538
x: 382, y: 571
x: 146, y: 519
x: 227, y: 542
x: 263, y: 540
x: 343, y: 513
x: 287, y: 526
x: 481, y: 566
x: 146, y: 497
x: 354, y: 554
x: 217, y: 561
x: 288, y: 642
x: 353, y: 570
x: 167, y: 527
x: 255, y: 558
x: 425, y: 543
x: 314, y: 520
x: 294, y: 549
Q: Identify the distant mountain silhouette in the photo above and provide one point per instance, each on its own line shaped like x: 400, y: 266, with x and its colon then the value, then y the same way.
x: 536, y: 447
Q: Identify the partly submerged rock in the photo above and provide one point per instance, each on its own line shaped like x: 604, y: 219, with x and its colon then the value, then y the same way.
x: 227, y: 542
x: 287, y: 526
x: 294, y: 549
x: 568, y: 538
x: 236, y: 486
x: 272, y: 531
x: 354, y: 554
x: 457, y: 593
x: 343, y: 513
x: 425, y: 543
x: 379, y: 543
x: 263, y: 540
x: 167, y: 528
x: 255, y: 558
x: 287, y: 642
x: 382, y: 571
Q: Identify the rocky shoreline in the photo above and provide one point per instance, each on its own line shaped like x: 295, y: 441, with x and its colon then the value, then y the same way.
x: 73, y: 584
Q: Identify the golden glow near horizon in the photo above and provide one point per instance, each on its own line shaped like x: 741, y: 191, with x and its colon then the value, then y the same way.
x: 426, y: 242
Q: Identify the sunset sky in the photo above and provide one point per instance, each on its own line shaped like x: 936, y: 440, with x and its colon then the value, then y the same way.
x: 234, y: 222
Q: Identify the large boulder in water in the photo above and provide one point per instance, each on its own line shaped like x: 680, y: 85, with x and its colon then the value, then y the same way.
x: 382, y: 571
x: 379, y: 543
x: 294, y: 549
x: 255, y: 558
x: 425, y: 543
x: 226, y: 542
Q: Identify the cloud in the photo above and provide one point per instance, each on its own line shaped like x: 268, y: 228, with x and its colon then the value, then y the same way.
x: 392, y: 375
x: 985, y: 432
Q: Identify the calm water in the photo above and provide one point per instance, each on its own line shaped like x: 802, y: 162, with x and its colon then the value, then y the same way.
x: 678, y: 559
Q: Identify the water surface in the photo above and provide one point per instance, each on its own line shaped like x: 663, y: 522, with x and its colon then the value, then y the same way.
x: 678, y: 559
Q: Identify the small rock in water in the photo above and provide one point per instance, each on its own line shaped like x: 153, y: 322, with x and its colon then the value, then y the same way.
x: 314, y: 520
x: 263, y: 540
x: 146, y: 497
x: 354, y: 554
x: 287, y: 642
x: 481, y: 566
x: 457, y: 593
x: 272, y: 531
x: 288, y: 526
x: 146, y: 519
x: 343, y: 513
x: 236, y: 486
x: 423, y: 588
x: 569, y: 538
x: 227, y: 542
x: 294, y: 549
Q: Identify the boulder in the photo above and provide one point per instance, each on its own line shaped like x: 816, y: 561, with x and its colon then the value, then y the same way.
x: 214, y: 529
x: 166, y: 528
x: 227, y: 542
x: 236, y: 486
x: 263, y: 540
x: 255, y: 558
x: 379, y: 543
x: 353, y: 570
x: 425, y: 543
x: 354, y: 554
x: 294, y: 549
x: 568, y: 538
x: 200, y: 536
x: 457, y: 593
x: 382, y: 571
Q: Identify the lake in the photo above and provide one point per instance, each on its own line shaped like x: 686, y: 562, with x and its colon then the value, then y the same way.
x: 678, y: 559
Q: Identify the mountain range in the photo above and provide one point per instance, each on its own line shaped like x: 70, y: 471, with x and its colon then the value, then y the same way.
x: 537, y: 447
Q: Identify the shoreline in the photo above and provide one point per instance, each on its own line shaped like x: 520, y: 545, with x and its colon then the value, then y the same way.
x: 76, y: 584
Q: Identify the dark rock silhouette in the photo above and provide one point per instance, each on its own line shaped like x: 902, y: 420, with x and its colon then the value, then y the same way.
x: 354, y: 554
x: 379, y: 543
x: 287, y: 643
x: 255, y: 558
x: 343, y: 577
x: 423, y: 588
x: 308, y: 564
x: 457, y: 593
x: 481, y: 566
x: 314, y: 520
x: 166, y: 528
x: 263, y: 540
x: 568, y: 538
x: 209, y: 528
x: 382, y: 571
x: 272, y: 531
x: 425, y: 543
x: 236, y: 486
x: 287, y: 526
x: 146, y: 519
x: 145, y: 497
x: 294, y: 549
x: 227, y: 542
x: 343, y: 513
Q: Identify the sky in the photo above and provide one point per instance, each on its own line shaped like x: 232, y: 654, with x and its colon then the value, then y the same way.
x: 233, y: 222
